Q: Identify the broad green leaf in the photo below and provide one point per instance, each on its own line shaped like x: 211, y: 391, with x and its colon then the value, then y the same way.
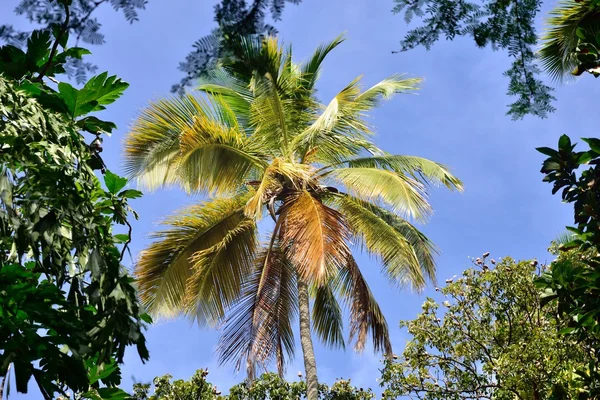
x: 95, y: 125
x: 113, y: 182
x: 564, y: 143
x: 131, y: 194
x: 97, y: 92
x: 547, y: 151
x: 593, y: 143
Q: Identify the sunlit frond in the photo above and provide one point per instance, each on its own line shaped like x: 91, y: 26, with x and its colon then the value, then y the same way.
x: 216, y: 158
x: 421, y: 169
x: 385, y: 90
x: 402, y: 193
x: 312, y: 68
x: 559, y: 43
x: 234, y: 92
x: 406, y: 254
x: 163, y: 269
x: 327, y: 316
x: 218, y: 273
x: 365, y: 314
x: 313, y: 236
x: 259, y: 328
x: 191, y: 142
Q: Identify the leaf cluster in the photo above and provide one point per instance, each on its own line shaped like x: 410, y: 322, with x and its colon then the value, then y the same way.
x: 491, y: 338
x: 501, y: 24
x: 68, y: 309
x: 574, y: 277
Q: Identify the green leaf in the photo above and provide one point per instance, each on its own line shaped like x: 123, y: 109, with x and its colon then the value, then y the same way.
x: 121, y: 238
x: 593, y: 143
x: 113, y: 182
x: 131, y: 194
x: 38, y: 49
x: 564, y: 143
x: 95, y: 125
x: 547, y: 151
x: 146, y: 318
x: 97, y: 92
x: 580, y: 32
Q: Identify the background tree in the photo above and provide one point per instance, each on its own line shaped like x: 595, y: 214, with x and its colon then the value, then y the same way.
x: 573, y: 281
x: 267, y: 386
x: 68, y: 309
x: 493, y: 339
x: 271, y: 146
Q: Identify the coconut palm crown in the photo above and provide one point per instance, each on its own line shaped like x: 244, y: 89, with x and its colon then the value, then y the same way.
x: 259, y: 146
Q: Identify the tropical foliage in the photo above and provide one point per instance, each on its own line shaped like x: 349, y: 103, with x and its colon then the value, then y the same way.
x: 573, y: 281
x: 492, y: 338
x: 68, y: 310
x: 267, y: 386
x: 571, y: 44
x: 267, y: 147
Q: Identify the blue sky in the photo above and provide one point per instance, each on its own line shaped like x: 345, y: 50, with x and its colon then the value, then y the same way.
x: 458, y: 118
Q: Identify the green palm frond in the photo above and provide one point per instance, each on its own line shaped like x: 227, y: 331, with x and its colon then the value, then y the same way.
x: 216, y: 158
x: 385, y: 90
x: 327, y: 316
x: 406, y: 254
x: 421, y: 169
x: 192, y: 142
x: 365, y: 314
x: 559, y: 43
x: 313, y: 237
x: 270, y: 117
x: 259, y: 328
x: 311, y: 68
x: 218, y: 273
x: 402, y: 193
x: 164, y: 268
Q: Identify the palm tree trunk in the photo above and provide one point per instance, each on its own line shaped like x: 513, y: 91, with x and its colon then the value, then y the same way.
x: 310, y: 364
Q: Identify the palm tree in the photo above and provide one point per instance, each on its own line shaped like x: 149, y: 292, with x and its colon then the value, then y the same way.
x: 571, y: 44
x: 266, y: 147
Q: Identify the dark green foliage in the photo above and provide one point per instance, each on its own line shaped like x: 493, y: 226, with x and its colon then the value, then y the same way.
x: 492, y: 338
x: 235, y: 18
x: 575, y: 281
x: 268, y: 386
x: 82, y: 25
x: 501, y: 24
x: 68, y: 309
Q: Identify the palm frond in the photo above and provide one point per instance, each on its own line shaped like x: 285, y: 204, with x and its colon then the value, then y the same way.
x: 385, y: 90
x: 313, y: 237
x: 163, y: 269
x: 327, y: 316
x: 311, y: 69
x: 402, y: 193
x: 421, y: 169
x: 216, y: 158
x: 190, y: 142
x: 365, y: 314
x: 408, y: 257
x: 259, y: 327
x: 559, y: 43
x: 218, y: 273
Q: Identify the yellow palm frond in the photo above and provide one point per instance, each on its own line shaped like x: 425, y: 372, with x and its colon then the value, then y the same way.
x: 406, y: 254
x: 402, y: 193
x: 313, y: 236
x: 421, y: 169
x: 176, y: 140
x: 311, y: 68
x: 163, y: 269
